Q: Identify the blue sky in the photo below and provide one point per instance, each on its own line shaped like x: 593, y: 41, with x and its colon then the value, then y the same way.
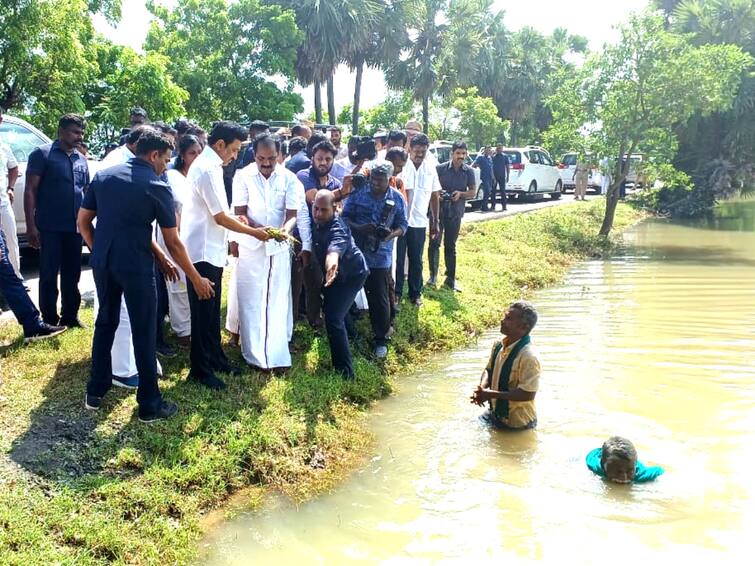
x: 591, y: 18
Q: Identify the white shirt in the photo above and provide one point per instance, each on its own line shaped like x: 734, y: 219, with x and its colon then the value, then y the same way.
x: 266, y: 201
x: 7, y: 162
x: 420, y: 185
x: 205, y: 239
x: 179, y: 186
x: 120, y: 154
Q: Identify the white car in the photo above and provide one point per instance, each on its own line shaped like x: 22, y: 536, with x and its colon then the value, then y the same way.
x: 566, y: 167
x: 533, y: 173
x: 23, y: 138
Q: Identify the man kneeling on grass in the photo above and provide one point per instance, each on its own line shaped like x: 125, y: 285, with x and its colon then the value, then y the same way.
x: 511, y: 378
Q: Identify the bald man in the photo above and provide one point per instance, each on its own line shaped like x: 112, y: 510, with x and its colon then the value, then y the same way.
x: 344, y: 267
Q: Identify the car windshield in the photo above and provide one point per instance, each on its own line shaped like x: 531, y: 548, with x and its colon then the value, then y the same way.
x: 21, y: 140
x: 443, y: 154
x: 545, y: 159
x: 514, y: 157
x: 569, y: 159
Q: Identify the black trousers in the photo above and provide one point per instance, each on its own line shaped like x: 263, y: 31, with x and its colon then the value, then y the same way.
x: 141, y: 303
x: 206, y: 352
x: 12, y: 287
x: 338, y: 299
x: 59, y: 254
x: 410, y: 246
x: 499, y: 186
x: 162, y: 304
x: 448, y: 233
x: 486, y: 188
x: 376, y: 287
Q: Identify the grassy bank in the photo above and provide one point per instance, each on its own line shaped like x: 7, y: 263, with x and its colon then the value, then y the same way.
x: 83, y: 488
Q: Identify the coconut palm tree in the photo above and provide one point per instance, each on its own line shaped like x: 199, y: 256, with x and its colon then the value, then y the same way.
x: 380, y: 40
x: 417, y: 68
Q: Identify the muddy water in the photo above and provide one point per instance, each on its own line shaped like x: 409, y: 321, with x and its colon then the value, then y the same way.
x: 657, y: 345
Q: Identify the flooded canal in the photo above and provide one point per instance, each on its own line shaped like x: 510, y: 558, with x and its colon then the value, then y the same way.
x: 656, y: 345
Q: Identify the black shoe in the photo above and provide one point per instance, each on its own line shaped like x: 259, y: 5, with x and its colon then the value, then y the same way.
x: 164, y: 411
x: 44, y: 331
x: 91, y: 402
x: 228, y: 368
x: 75, y: 323
x: 209, y: 381
x: 165, y: 350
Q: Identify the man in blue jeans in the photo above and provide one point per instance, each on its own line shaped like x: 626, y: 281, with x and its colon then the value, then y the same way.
x: 345, y: 272
x: 27, y: 315
x: 484, y: 163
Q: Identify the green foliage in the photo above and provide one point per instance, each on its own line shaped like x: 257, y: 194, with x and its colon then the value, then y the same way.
x: 637, y: 92
x: 391, y: 114
x: 100, y: 488
x: 479, y: 122
x: 222, y: 54
x: 126, y: 79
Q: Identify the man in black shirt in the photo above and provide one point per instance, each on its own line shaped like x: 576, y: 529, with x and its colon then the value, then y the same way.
x: 501, y: 174
x: 126, y: 199
x: 458, y: 183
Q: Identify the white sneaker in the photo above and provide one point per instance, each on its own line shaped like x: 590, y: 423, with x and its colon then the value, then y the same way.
x: 381, y: 352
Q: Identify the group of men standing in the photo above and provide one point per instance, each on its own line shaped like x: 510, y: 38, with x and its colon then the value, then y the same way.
x: 331, y: 214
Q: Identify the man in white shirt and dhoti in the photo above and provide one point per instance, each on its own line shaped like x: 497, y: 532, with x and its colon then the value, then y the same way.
x: 269, y: 195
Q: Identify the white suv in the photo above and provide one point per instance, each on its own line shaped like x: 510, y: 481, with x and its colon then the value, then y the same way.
x: 533, y: 173
x: 566, y: 167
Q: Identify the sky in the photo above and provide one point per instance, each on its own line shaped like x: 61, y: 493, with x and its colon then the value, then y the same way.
x: 594, y: 19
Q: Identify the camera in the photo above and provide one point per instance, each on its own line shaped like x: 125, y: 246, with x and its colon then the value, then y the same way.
x: 365, y: 150
x: 358, y: 180
x: 445, y: 196
x: 382, y: 230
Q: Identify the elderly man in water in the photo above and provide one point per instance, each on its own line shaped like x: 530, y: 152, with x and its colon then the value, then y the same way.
x: 511, y: 378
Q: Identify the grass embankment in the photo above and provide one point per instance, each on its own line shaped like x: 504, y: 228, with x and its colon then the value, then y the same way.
x: 83, y: 488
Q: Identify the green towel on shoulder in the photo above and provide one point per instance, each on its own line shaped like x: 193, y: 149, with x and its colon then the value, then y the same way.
x: 642, y: 473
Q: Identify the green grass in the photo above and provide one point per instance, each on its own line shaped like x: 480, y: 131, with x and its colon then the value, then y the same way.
x: 81, y: 488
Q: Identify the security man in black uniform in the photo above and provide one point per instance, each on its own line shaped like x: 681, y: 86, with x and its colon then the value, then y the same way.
x: 126, y: 199
x: 345, y: 272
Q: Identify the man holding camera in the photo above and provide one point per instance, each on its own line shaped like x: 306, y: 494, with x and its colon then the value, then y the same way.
x: 458, y: 183
x: 376, y: 216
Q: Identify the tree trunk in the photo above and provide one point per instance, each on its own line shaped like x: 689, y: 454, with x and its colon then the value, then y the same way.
x: 426, y: 114
x: 612, y: 198
x: 331, y: 102
x: 318, y: 103
x: 357, y: 96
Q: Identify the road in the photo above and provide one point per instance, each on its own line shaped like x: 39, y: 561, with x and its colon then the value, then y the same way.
x: 30, y: 266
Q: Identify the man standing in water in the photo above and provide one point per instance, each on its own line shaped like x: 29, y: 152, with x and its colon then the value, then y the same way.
x: 511, y: 378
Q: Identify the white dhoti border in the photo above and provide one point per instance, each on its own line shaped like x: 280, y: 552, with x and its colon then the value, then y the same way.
x: 264, y: 306
x: 232, y: 302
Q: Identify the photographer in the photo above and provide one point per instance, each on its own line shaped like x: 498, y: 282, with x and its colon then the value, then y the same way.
x: 361, y: 149
x: 458, y: 184
x: 376, y: 216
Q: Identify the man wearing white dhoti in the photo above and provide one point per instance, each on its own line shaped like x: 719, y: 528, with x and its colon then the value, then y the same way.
x: 269, y: 195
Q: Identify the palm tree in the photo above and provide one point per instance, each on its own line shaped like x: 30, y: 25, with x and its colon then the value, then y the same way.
x: 332, y: 28
x: 374, y: 45
x: 416, y: 69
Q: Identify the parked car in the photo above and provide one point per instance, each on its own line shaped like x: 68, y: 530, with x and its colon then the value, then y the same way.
x: 533, y: 173
x: 566, y: 166
x: 23, y: 138
x: 442, y: 152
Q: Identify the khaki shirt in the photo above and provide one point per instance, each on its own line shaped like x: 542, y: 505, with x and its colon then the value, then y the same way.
x: 525, y: 375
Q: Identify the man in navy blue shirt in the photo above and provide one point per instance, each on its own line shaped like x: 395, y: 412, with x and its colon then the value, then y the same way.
x: 501, y: 174
x: 485, y: 164
x: 126, y: 199
x: 376, y: 215
x: 345, y: 272
x: 314, y: 178
x: 56, y: 177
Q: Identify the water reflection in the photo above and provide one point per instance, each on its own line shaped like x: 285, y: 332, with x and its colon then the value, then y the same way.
x: 656, y: 346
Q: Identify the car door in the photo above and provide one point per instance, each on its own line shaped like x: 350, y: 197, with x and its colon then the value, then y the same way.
x: 550, y: 173
x: 535, y: 170
x: 22, y: 141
